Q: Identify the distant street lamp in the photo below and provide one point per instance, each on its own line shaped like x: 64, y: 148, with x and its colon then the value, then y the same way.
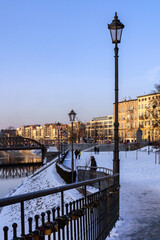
x: 64, y: 145
x: 58, y: 127
x: 116, y: 28
x: 72, y: 116
x: 61, y: 140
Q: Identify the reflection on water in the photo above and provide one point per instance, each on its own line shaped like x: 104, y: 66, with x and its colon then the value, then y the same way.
x: 7, y: 185
x: 16, y: 158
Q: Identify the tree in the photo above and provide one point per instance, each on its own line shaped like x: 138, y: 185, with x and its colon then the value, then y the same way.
x: 157, y: 87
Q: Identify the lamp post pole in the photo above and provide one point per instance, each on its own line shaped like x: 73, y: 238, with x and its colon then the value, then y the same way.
x: 116, y: 28
x: 72, y: 157
x: 116, y: 123
x: 72, y: 116
x: 61, y: 130
x: 58, y: 127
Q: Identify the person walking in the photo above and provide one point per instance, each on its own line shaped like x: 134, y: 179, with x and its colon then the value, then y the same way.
x: 79, y: 154
x: 93, y: 164
x: 76, y: 153
x: 95, y: 150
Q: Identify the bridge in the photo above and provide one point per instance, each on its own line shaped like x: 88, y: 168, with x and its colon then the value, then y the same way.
x: 20, y: 143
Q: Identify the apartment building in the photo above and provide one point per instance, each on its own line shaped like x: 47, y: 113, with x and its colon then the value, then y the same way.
x: 128, y: 120
x: 100, y: 128
x: 47, y: 133
x: 30, y: 131
x: 149, y: 116
x: 143, y: 113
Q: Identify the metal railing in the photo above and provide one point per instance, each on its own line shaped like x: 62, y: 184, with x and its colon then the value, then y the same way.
x: 91, y: 217
x: 107, y: 171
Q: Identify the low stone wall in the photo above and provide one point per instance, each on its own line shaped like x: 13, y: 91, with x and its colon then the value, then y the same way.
x: 51, y: 155
x: 65, y: 173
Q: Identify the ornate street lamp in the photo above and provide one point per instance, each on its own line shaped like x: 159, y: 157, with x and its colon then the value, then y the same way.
x: 64, y: 132
x: 58, y: 127
x: 116, y: 28
x: 72, y: 116
x: 61, y: 130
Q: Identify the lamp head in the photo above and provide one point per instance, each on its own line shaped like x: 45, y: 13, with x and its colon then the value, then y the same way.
x: 72, y: 115
x: 116, y: 28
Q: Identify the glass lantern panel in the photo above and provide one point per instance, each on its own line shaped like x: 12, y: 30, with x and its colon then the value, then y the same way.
x: 113, y: 35
x: 116, y: 35
x: 119, y: 33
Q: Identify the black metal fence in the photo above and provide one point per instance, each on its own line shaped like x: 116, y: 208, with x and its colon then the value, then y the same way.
x: 91, y: 217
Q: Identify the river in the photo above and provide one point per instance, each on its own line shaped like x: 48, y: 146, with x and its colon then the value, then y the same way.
x: 6, y: 185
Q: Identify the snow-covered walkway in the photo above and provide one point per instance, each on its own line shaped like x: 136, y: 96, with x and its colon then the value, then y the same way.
x: 139, y: 194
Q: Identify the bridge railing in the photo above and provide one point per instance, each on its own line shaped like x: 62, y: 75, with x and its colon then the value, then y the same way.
x: 91, y: 217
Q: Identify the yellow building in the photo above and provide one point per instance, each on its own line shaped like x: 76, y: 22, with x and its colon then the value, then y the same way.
x: 31, y: 131
x: 128, y: 120
x: 149, y: 115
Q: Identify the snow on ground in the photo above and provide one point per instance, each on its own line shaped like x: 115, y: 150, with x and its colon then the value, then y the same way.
x: 139, y: 193
x: 52, y: 149
x: 48, y: 178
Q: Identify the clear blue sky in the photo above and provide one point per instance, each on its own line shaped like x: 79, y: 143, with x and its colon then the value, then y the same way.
x: 56, y: 55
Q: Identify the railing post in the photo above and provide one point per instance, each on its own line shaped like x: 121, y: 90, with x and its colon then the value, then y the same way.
x: 62, y: 203
x: 67, y: 224
x: 5, y: 229
x: 71, y: 228
x: 36, y: 220
x: 85, y: 194
x: 58, y: 214
x: 30, y: 224
x: 42, y: 215
x: 48, y: 215
x: 22, y: 219
x: 14, y: 225
x: 53, y: 217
